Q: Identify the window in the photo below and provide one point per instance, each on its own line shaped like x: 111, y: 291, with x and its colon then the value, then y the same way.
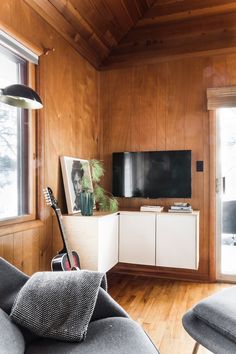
x: 15, y: 143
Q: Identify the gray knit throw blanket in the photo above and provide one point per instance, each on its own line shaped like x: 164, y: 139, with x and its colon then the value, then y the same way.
x: 58, y: 305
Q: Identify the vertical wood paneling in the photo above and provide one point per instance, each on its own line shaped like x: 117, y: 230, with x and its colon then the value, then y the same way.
x: 169, y: 98
x: 144, y: 108
x: 195, y: 141
x: 6, y: 248
x: 45, y: 245
x: 175, y: 127
x: 160, y: 97
x: 30, y: 250
x: 23, y: 250
x: 219, y: 71
x: 119, y: 85
x: 147, y: 107
x: 18, y: 250
x: 68, y: 124
x: 230, y: 69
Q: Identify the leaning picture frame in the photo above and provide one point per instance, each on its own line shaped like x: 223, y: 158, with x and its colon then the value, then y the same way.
x: 73, y: 171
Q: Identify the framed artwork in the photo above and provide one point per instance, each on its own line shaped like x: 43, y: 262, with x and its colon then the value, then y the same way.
x: 74, y: 170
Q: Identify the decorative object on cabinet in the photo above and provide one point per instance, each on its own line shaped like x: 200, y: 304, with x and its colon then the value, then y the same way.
x: 104, y: 200
x: 20, y: 96
x: 86, y: 203
x: 76, y: 178
x: 180, y: 208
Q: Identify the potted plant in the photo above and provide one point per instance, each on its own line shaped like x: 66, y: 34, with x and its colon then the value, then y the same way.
x: 104, y: 200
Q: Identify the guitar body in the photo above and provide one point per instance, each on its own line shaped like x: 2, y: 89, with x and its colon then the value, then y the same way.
x: 61, y: 262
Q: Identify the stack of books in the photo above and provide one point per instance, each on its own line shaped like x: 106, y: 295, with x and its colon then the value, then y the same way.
x: 180, y: 208
x: 156, y: 208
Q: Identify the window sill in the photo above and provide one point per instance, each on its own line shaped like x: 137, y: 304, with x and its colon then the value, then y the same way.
x: 13, y: 228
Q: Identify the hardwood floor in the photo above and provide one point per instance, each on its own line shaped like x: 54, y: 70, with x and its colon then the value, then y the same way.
x: 158, y: 305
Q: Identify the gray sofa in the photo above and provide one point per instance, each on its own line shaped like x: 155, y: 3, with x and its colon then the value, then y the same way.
x: 110, y: 331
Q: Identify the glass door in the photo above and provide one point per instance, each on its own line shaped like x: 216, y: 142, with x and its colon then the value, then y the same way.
x: 226, y: 194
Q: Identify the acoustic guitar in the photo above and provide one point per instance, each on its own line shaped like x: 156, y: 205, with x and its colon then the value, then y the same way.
x: 66, y: 259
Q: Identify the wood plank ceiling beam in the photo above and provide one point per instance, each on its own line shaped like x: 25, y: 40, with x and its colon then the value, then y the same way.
x: 107, y: 32
x: 92, y: 27
x: 166, y: 39
x: 187, y: 14
x: 70, y: 13
x: 165, y: 11
x: 45, y: 9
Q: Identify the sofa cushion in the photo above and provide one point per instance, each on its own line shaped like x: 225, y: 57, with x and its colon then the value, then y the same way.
x: 106, y: 336
x: 12, y: 280
x: 12, y: 340
x: 207, y: 336
x: 219, y: 312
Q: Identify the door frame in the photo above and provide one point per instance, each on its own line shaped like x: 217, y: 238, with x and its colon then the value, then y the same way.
x: 215, y: 205
x: 212, y: 192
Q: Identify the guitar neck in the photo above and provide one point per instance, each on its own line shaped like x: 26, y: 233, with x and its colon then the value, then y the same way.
x: 64, y: 238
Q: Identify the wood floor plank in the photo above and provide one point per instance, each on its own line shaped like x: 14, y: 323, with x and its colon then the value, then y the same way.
x: 159, y: 305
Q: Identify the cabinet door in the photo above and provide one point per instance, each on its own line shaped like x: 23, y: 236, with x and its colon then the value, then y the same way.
x: 108, y: 242
x: 82, y: 234
x: 177, y: 241
x: 137, y: 238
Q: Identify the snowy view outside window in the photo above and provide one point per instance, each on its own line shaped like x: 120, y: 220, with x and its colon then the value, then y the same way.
x: 10, y: 140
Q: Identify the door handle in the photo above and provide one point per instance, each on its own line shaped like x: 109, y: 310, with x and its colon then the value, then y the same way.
x: 223, y: 185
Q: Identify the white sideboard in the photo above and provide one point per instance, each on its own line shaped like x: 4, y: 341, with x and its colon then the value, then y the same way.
x: 147, y: 238
x: 94, y: 238
x: 162, y: 239
x: 137, y: 238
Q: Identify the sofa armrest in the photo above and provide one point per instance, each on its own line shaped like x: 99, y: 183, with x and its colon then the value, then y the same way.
x: 12, y: 280
x: 106, y: 306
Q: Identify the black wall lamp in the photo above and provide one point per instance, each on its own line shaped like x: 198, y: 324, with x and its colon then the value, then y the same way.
x: 20, y: 96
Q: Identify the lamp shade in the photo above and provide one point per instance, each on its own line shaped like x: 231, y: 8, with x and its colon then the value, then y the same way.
x: 20, y: 96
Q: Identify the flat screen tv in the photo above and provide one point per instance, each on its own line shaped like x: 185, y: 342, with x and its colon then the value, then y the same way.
x: 152, y: 174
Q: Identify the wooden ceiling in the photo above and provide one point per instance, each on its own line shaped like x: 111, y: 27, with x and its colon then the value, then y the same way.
x: 111, y: 33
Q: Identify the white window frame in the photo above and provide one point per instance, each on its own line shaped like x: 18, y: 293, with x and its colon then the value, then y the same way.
x: 32, y: 59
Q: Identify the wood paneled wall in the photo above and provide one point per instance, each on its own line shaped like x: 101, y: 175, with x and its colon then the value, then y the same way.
x: 147, y: 107
x: 163, y: 107
x: 67, y: 125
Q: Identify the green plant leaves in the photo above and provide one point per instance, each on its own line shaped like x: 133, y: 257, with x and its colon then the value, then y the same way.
x: 97, y: 170
x: 104, y: 200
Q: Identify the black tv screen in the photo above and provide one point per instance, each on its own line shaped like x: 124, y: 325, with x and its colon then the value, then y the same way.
x: 152, y: 174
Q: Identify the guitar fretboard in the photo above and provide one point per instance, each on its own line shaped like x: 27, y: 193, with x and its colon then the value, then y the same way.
x: 64, y: 238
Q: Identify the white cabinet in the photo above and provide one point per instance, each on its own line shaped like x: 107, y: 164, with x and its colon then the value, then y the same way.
x: 148, y: 238
x: 161, y: 239
x: 177, y: 240
x: 94, y: 238
x: 137, y: 238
